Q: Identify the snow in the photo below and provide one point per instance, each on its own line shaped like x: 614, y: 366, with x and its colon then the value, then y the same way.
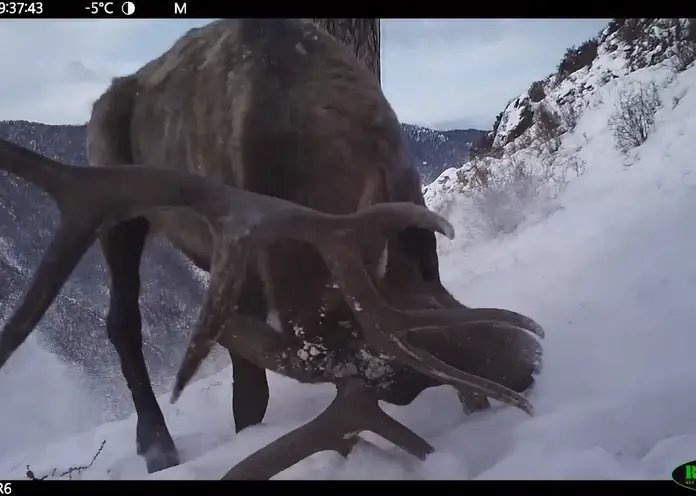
x: 607, y: 267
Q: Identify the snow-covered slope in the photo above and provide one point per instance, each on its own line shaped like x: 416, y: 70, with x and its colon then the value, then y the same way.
x: 538, y: 135
x: 605, y: 264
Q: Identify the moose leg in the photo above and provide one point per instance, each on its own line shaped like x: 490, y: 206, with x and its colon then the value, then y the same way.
x: 249, y: 394
x: 123, y: 246
x: 250, y: 390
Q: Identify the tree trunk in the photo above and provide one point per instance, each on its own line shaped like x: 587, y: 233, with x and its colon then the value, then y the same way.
x: 362, y: 35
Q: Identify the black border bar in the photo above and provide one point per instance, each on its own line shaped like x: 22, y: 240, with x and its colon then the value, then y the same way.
x: 143, y: 9
x: 214, y: 9
x: 442, y: 488
x: 116, y: 9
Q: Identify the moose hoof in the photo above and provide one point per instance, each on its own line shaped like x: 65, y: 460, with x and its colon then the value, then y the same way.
x: 157, y: 447
x: 157, y: 458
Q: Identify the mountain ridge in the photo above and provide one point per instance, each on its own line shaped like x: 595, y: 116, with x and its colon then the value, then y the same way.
x: 432, y: 151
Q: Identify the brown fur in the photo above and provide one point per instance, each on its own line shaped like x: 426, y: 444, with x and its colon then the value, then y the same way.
x: 273, y: 107
x: 279, y: 108
x: 269, y: 106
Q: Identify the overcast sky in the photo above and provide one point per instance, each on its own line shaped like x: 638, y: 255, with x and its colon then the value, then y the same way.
x: 439, y: 73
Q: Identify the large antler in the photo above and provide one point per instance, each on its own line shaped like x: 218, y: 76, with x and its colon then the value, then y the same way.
x: 91, y: 199
x: 386, y: 329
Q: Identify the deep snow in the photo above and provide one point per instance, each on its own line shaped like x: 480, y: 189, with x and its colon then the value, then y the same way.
x: 608, y: 269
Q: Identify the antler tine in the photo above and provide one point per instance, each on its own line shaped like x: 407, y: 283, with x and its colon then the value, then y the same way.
x: 355, y: 409
x: 435, y: 319
x: 487, y: 350
x: 125, y: 191
x: 227, y: 274
x: 74, y: 236
x: 63, y: 254
x: 87, y: 199
x: 386, y: 329
x: 91, y: 197
x: 382, y: 219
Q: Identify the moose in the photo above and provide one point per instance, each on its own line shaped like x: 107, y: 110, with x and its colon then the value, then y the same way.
x: 266, y: 152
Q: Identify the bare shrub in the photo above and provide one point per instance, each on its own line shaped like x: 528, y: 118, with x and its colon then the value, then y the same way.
x: 547, y: 132
x: 504, y: 201
x: 634, y: 116
x: 548, y: 123
x: 74, y: 472
x: 527, y: 175
x: 477, y: 174
x: 519, y: 187
x: 536, y: 92
x: 577, y: 58
x: 556, y: 170
x: 568, y: 116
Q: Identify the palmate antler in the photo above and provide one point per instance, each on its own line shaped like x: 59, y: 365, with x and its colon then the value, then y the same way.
x: 91, y: 199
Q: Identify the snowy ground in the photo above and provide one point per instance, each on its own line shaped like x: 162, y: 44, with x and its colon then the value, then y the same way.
x: 610, y: 274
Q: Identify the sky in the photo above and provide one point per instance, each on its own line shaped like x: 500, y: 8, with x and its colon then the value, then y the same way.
x: 440, y: 73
